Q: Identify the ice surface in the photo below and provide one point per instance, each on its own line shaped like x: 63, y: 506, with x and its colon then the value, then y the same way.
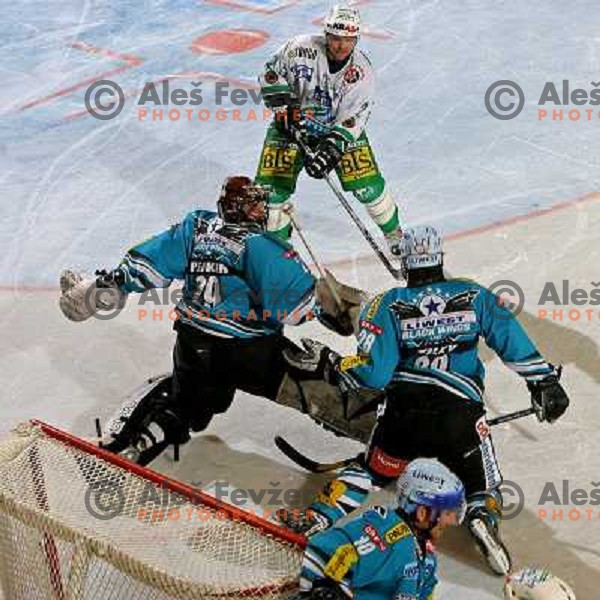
x: 77, y: 191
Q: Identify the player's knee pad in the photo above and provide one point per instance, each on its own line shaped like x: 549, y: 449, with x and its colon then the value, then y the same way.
x: 383, y: 467
x: 279, y: 221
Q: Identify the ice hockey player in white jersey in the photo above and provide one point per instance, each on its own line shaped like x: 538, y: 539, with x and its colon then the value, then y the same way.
x: 323, y: 85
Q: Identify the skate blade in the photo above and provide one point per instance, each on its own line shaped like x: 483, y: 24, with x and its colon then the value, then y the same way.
x: 493, y: 550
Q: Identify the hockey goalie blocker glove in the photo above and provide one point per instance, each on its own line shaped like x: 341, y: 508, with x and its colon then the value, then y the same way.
x: 325, y: 158
x: 316, y: 361
x: 548, y: 397
x: 339, y: 305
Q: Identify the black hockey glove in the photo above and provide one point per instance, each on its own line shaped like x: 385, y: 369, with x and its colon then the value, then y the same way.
x: 324, y: 159
x: 548, y: 397
x: 315, y: 362
x: 279, y: 99
x: 287, y: 111
x: 324, y: 589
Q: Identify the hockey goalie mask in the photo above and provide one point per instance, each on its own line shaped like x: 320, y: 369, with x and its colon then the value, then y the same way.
x: 420, y: 248
x: 243, y: 202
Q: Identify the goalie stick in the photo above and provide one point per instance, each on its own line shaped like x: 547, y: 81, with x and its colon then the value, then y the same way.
x: 320, y: 467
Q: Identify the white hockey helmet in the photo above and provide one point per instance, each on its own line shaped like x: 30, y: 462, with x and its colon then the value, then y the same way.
x: 342, y: 21
x: 420, y: 247
x: 533, y: 583
x: 427, y: 482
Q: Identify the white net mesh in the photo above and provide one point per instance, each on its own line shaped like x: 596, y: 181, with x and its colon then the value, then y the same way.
x: 74, y: 525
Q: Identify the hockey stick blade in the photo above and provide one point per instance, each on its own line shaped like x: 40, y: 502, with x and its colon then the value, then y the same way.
x: 318, y: 467
x: 307, y: 463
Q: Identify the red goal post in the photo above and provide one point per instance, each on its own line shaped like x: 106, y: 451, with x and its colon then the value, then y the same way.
x: 78, y: 522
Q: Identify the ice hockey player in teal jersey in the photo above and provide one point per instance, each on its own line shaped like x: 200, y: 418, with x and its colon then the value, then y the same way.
x: 241, y: 286
x: 387, y: 551
x: 420, y: 344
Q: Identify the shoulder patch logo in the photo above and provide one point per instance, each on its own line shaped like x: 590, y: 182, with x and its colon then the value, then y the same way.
x: 341, y: 562
x: 271, y: 77
x: 352, y: 74
x: 396, y: 533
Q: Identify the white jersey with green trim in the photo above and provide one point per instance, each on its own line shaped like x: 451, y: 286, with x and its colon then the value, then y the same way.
x: 341, y: 102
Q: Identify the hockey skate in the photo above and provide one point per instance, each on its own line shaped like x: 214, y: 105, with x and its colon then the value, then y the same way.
x: 146, y: 424
x: 393, y: 239
x: 485, y: 530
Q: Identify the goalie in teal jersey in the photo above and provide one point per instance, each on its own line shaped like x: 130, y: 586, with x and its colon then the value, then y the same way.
x: 241, y: 286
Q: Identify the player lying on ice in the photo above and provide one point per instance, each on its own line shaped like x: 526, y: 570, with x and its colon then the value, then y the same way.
x: 420, y: 344
x: 388, y: 551
x: 241, y: 286
x: 324, y: 87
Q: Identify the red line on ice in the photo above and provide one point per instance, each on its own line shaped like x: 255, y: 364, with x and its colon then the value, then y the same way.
x: 567, y: 204
x: 130, y: 61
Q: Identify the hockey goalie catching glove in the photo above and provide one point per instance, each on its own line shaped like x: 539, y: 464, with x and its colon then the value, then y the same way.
x: 548, y: 397
x: 315, y: 362
x: 82, y: 297
x: 324, y: 159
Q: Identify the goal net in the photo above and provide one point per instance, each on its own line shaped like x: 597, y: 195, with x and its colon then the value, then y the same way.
x: 77, y: 522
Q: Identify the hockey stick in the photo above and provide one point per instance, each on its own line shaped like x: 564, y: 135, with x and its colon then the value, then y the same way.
x: 396, y: 273
x: 308, y: 463
x: 318, y: 467
x: 512, y: 416
x: 290, y: 212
